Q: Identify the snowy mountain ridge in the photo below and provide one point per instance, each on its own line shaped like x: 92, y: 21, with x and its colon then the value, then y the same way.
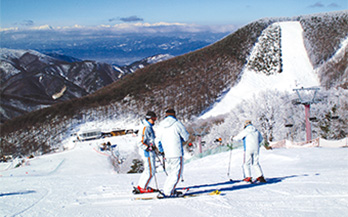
x: 30, y: 80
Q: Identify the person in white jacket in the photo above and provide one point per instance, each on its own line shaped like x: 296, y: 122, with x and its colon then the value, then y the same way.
x: 172, y: 134
x: 252, y: 139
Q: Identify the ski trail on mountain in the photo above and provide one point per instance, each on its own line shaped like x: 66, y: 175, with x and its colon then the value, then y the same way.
x: 297, y: 72
x: 296, y: 63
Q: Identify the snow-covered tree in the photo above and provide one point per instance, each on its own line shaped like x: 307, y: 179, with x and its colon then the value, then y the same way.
x: 266, y: 56
x: 277, y: 118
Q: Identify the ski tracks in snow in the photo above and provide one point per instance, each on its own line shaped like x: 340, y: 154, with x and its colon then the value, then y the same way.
x: 16, y: 208
x: 102, y: 198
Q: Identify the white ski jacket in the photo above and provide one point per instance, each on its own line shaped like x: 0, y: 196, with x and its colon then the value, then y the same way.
x: 171, y: 134
x: 251, y: 137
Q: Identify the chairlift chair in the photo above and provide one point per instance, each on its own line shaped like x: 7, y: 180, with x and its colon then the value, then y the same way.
x: 313, y: 119
x: 295, y: 102
x: 289, y: 125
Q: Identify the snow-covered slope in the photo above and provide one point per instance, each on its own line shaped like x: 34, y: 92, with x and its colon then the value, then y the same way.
x: 81, y: 182
x: 297, y: 71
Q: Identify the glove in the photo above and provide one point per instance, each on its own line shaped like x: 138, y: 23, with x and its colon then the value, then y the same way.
x: 150, y: 147
x: 230, y: 146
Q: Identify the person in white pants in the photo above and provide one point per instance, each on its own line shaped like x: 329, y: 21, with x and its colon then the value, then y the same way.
x: 147, y: 152
x: 252, y: 139
x: 172, y: 134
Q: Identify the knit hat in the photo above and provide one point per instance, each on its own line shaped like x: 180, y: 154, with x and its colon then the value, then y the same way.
x: 150, y: 114
x: 170, y: 112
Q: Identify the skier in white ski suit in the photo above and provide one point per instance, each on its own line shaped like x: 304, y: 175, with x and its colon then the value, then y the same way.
x: 172, y: 134
x: 252, y: 139
x: 147, y: 147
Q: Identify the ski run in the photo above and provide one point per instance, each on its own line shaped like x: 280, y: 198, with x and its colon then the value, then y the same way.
x: 306, y: 181
x: 297, y: 72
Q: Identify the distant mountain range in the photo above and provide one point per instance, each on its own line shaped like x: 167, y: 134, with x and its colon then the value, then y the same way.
x: 111, y: 48
x: 31, y: 80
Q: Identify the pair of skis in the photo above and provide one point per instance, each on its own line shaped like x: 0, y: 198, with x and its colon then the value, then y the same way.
x: 185, y: 194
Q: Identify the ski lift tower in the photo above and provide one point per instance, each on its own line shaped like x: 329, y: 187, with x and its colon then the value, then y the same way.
x: 199, y: 132
x: 307, y: 97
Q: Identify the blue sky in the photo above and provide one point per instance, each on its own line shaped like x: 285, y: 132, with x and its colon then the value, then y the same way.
x: 25, y: 13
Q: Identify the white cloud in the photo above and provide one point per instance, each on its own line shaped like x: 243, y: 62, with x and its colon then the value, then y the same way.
x: 9, y: 29
x: 139, y: 27
x: 43, y: 27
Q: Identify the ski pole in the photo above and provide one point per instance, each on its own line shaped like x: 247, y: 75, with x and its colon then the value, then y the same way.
x: 229, y: 162
x: 156, y: 181
x: 163, y: 165
x: 164, y: 168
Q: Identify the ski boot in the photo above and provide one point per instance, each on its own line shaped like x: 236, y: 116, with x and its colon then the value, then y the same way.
x: 176, y: 193
x: 261, y: 179
x: 248, y: 179
x: 139, y: 190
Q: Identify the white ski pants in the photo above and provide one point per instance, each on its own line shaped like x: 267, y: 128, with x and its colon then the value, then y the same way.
x: 174, y: 167
x: 251, y: 160
x: 149, y: 170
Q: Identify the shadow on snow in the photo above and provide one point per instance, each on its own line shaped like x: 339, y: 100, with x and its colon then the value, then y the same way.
x: 228, y: 186
x: 17, y: 193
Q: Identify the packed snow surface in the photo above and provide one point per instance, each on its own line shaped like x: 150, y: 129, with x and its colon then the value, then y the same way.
x: 81, y: 182
x: 297, y: 72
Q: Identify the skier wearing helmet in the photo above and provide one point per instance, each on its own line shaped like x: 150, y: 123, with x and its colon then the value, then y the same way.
x: 252, y: 139
x: 147, y: 151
